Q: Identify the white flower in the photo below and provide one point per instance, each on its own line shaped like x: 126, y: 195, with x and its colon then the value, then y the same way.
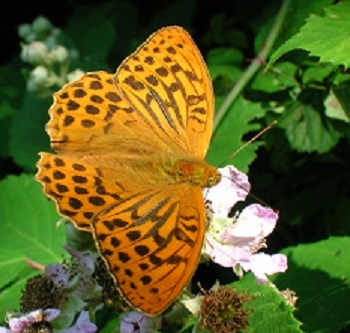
x: 35, y: 53
x: 262, y: 264
x: 233, y: 242
x: 136, y: 322
x: 40, y: 79
x: 233, y: 187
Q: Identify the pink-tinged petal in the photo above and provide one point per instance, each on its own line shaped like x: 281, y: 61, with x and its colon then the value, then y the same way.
x: 262, y: 264
x: 83, y: 258
x: 233, y: 187
x: 253, y: 224
x: 18, y: 325
x: 5, y: 330
x: 223, y: 254
x: 136, y: 322
x: 58, y: 274
x: 51, y: 314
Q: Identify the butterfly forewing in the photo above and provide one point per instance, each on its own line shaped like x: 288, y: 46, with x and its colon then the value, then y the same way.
x: 167, y: 80
x: 89, y: 117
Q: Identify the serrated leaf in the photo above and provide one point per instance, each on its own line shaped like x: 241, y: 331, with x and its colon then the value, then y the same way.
x: 306, y: 131
x: 27, y: 131
x: 320, y: 273
x: 228, y: 137
x: 28, y: 230
x: 271, y: 312
x: 298, y: 11
x: 326, y: 37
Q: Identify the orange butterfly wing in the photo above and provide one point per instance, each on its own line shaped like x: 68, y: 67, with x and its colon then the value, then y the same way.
x: 168, y: 79
x: 151, y: 242
x: 114, y: 134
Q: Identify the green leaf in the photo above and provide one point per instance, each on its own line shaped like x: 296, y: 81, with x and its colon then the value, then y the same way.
x: 298, y: 11
x: 106, y: 320
x: 27, y: 131
x: 280, y: 77
x: 10, y: 296
x: 70, y: 306
x: 319, y: 273
x: 28, y: 231
x: 229, y: 72
x: 334, y: 109
x: 326, y: 37
x: 271, y: 312
x: 317, y: 74
x: 305, y: 129
x: 11, y: 265
x: 12, y: 84
x: 228, y: 137
x: 224, y: 56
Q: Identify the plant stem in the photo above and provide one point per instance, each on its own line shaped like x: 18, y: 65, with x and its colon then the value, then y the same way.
x: 253, y: 67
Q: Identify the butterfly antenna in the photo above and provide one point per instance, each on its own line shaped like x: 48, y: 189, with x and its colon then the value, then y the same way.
x: 249, y: 142
x: 241, y: 148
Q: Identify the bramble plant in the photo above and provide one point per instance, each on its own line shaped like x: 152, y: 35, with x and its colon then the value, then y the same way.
x: 295, y: 71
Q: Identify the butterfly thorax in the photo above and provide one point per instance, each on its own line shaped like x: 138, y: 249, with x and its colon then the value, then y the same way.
x: 194, y: 172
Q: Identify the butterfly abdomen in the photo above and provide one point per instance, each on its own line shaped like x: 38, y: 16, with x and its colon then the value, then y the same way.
x: 194, y: 172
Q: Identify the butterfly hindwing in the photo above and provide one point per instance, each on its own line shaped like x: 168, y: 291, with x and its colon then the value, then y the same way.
x: 151, y: 243
x: 79, y: 189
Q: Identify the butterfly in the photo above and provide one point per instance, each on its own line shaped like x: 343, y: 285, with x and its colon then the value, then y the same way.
x: 129, y: 165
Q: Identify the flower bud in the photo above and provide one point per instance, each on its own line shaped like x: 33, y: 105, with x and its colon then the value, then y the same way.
x: 75, y: 75
x: 24, y: 30
x: 39, y: 78
x: 58, y: 54
x: 41, y: 26
x: 34, y: 53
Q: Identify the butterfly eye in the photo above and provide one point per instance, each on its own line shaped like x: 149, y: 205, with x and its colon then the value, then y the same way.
x: 212, y: 181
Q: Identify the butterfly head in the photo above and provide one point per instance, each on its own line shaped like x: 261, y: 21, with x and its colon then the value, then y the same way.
x: 193, y: 171
x: 212, y: 176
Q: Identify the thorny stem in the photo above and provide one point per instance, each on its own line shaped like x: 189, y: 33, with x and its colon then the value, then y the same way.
x: 253, y: 67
